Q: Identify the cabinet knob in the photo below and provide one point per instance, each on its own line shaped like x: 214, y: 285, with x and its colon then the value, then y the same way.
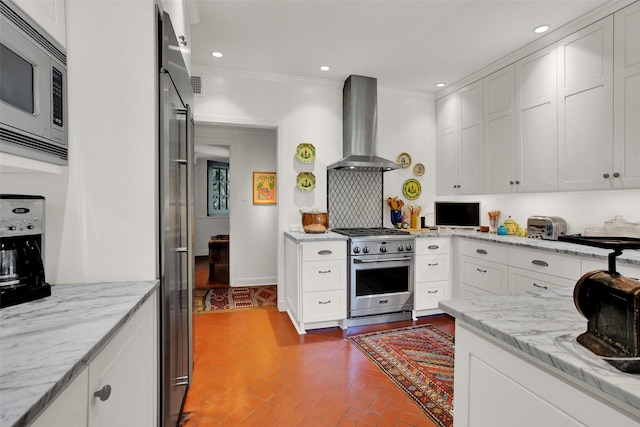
x: 605, y: 176
x: 511, y: 182
x: 104, y: 393
x: 183, y: 40
x: 616, y: 175
x: 517, y: 182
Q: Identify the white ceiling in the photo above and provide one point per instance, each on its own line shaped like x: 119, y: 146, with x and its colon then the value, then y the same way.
x: 404, y: 44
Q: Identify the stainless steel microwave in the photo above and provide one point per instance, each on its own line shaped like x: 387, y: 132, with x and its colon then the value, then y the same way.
x: 33, y: 83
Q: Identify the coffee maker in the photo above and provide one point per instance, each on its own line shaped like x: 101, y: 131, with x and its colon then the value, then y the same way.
x: 21, y: 244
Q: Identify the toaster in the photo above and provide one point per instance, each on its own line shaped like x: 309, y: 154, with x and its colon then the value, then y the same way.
x: 546, y: 227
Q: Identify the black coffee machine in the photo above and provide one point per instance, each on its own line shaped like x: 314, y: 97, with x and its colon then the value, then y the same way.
x: 21, y: 244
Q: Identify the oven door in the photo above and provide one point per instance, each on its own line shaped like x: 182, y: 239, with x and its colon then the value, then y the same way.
x: 380, y: 284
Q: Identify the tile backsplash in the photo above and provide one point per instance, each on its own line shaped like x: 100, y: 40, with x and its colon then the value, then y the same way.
x: 355, y: 198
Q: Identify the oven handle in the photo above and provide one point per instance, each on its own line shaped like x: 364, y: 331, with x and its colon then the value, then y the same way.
x: 370, y: 261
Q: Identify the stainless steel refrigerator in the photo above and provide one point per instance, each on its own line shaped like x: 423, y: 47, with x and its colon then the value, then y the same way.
x: 176, y: 262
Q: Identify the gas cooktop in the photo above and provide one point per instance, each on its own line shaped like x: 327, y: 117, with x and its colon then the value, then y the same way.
x: 370, y: 232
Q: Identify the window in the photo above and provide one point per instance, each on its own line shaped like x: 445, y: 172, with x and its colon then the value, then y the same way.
x: 217, y: 188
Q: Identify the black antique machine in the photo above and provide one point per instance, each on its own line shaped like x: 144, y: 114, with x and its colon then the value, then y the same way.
x: 611, y: 304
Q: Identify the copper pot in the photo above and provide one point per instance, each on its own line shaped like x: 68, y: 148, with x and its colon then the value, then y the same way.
x: 315, y: 221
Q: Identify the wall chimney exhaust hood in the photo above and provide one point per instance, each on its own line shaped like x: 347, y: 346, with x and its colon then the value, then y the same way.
x: 360, y: 126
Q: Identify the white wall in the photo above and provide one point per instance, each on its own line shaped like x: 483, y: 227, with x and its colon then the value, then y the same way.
x: 253, y: 229
x: 101, y: 209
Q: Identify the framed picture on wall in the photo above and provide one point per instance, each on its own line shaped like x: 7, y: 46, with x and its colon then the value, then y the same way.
x: 264, y: 188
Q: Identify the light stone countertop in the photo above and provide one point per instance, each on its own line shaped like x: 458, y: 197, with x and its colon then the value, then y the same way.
x: 314, y: 237
x: 545, y: 324
x: 45, y: 343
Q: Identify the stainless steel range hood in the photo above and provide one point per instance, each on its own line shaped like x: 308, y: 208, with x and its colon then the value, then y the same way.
x: 360, y: 126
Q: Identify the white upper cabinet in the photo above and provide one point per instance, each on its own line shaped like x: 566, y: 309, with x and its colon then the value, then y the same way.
x: 585, y: 108
x: 178, y: 10
x: 460, y: 149
x: 49, y: 14
x: 536, y: 122
x: 626, y: 108
x: 500, y: 131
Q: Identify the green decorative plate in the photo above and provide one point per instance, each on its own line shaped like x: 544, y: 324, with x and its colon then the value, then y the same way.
x: 306, y: 153
x: 306, y: 181
x: 411, y: 189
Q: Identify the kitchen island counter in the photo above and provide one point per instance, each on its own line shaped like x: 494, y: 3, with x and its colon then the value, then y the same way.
x: 45, y: 343
x: 543, y: 327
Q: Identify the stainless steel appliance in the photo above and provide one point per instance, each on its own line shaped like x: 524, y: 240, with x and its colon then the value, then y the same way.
x: 33, y: 84
x: 21, y: 242
x: 380, y: 280
x: 546, y: 227
x: 176, y: 263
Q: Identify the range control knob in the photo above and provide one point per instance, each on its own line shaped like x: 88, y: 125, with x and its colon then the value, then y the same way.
x: 30, y: 227
x: 365, y: 249
x: 356, y: 249
x: 400, y: 247
x: 383, y: 248
x: 409, y: 247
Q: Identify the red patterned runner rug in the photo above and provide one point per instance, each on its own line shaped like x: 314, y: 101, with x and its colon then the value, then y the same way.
x: 216, y: 299
x: 419, y: 360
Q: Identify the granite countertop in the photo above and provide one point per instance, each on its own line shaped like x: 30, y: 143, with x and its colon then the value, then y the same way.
x: 314, y: 237
x: 44, y: 344
x: 628, y: 256
x: 545, y: 325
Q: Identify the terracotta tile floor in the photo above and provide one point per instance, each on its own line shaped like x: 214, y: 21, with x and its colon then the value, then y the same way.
x: 253, y: 369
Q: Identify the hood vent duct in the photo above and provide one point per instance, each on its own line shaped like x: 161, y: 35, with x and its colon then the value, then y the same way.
x: 360, y: 126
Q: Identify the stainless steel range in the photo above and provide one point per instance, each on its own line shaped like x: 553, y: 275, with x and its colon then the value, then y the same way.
x: 380, y: 280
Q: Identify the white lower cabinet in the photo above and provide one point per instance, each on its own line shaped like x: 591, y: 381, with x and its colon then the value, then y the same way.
x: 432, y: 269
x: 316, y: 283
x: 500, y: 386
x: 119, y: 386
x: 531, y: 269
x: 482, y: 268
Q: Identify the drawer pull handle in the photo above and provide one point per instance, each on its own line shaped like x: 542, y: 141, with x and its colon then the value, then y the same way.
x: 540, y: 263
x: 324, y: 302
x: 383, y: 301
x: 481, y: 251
x: 104, y: 393
x: 325, y: 252
x: 433, y: 247
x: 432, y: 292
x: 540, y: 286
x: 324, y: 271
x: 481, y: 270
x: 433, y: 265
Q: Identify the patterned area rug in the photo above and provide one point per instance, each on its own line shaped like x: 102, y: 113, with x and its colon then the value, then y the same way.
x: 215, y: 299
x: 419, y: 360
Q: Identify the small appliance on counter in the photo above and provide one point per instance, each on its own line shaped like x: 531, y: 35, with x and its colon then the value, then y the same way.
x: 611, y: 304
x: 546, y: 227
x: 21, y: 242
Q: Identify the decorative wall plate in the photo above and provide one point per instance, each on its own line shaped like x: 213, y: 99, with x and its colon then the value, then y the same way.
x: 404, y: 159
x: 418, y: 169
x: 411, y: 189
x: 306, y: 153
x: 306, y: 181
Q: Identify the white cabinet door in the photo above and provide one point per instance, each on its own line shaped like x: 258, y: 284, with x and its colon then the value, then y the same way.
x: 128, y: 365
x: 69, y: 409
x: 446, y: 166
x: 500, y: 131
x: 585, y: 117
x: 537, y: 122
x: 471, y: 147
x: 49, y: 14
x: 626, y: 108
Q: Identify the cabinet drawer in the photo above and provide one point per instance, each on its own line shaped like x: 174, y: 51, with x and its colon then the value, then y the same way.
x: 545, y: 262
x: 316, y: 251
x: 430, y: 246
x: 323, y: 306
x: 432, y: 267
x: 487, y: 275
x: 524, y: 280
x: 482, y: 250
x: 428, y: 295
x: 324, y: 275
x: 468, y: 291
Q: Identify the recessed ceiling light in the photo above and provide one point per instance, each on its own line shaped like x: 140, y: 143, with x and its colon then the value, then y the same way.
x: 216, y: 54
x: 541, y: 29
x: 441, y: 84
x: 325, y: 67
